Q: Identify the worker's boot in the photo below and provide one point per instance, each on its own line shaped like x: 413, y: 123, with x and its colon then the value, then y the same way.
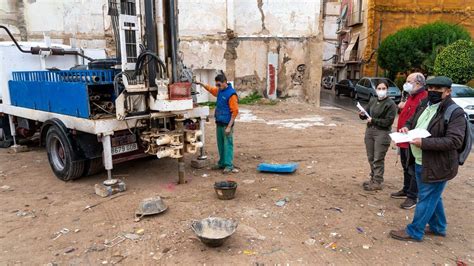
x: 217, y: 167
x: 373, y: 186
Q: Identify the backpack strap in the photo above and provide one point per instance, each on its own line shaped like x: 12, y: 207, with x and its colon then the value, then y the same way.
x: 449, y: 112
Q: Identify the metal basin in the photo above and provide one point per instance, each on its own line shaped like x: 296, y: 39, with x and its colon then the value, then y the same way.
x: 214, y: 231
x: 225, y: 190
x: 150, y: 206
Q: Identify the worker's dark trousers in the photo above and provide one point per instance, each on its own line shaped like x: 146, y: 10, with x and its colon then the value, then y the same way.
x: 377, y: 143
x: 409, y: 180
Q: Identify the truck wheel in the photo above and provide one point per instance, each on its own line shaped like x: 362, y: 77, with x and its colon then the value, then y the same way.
x: 6, y: 140
x: 60, y: 154
x: 6, y: 143
x: 93, y: 166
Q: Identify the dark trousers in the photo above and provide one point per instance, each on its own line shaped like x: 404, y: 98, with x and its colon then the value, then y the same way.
x: 409, y: 180
x: 377, y: 143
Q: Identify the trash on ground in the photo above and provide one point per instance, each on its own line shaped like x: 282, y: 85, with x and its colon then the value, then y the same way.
x: 205, y: 175
x: 277, y: 168
x: 274, y: 189
x: 132, y: 236
x: 249, y: 252
x: 213, y: 231
x: 69, y: 250
x: 381, y: 213
x: 25, y: 213
x: 248, y: 181
x: 117, y: 240
x: 360, y: 230
x: 150, y: 206
x: 335, y: 235
x: 140, y: 231
x: 77, y: 230
x: 336, y: 209
x: 310, y: 242
x: 225, y: 190
x: 282, y: 202
x: 5, y: 187
x: 60, y: 233
x: 332, y: 245
x: 366, y: 246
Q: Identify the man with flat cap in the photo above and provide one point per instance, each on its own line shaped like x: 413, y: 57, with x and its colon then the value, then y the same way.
x: 435, y: 157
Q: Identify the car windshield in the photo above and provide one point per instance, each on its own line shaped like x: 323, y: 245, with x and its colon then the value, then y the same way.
x: 459, y: 91
x: 377, y: 81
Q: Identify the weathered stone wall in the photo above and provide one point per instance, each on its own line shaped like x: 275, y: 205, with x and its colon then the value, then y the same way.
x: 236, y: 36
x: 230, y: 35
x: 30, y: 20
x: 397, y: 14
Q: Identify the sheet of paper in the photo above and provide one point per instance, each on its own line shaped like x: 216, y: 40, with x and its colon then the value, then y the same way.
x: 410, y: 136
x: 363, y: 110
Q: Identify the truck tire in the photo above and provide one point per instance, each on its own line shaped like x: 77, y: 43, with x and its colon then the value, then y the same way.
x: 6, y: 140
x: 93, y: 166
x: 61, y: 154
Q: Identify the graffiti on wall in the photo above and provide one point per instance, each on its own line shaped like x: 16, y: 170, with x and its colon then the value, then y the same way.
x: 297, y: 77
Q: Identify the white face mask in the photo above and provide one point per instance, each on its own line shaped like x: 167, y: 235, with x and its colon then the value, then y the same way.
x: 381, y: 93
x: 408, y: 87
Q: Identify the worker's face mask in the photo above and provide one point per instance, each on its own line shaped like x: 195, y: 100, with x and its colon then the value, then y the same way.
x: 437, y: 94
x: 408, y: 87
x: 381, y: 92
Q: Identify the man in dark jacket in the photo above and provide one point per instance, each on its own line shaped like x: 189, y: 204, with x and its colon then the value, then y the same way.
x: 436, y: 159
x: 415, y: 87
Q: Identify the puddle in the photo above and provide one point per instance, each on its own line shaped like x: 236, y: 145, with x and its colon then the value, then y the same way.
x: 246, y: 116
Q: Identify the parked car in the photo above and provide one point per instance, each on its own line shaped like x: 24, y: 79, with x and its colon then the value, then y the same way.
x: 365, y: 88
x: 328, y: 82
x: 346, y: 87
x: 464, y: 96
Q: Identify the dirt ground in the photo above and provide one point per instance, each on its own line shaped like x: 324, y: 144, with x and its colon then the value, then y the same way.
x: 328, y: 218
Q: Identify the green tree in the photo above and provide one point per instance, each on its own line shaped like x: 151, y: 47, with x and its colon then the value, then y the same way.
x: 456, y: 61
x: 398, y: 52
x: 416, y: 48
x: 433, y: 37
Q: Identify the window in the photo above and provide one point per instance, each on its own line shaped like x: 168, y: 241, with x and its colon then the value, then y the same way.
x: 356, y: 12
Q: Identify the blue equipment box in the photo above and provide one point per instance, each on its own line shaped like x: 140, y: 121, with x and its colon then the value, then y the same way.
x: 62, y: 92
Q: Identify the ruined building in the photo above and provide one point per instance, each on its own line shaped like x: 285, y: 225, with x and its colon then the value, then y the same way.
x: 363, y: 24
x: 269, y: 47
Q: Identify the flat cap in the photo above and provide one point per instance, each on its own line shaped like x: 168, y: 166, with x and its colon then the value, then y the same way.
x: 440, y: 81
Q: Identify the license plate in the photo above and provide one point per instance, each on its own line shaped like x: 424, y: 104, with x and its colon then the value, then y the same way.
x: 124, y: 148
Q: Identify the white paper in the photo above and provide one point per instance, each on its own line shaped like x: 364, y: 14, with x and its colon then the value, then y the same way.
x: 410, y: 136
x: 363, y: 110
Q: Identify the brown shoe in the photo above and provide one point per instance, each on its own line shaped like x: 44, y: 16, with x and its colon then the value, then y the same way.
x: 402, y: 235
x: 429, y: 232
x: 373, y: 186
x: 366, y: 183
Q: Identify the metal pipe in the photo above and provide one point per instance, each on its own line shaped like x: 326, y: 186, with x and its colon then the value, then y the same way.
x: 37, y: 50
x: 107, y: 147
x: 160, y: 29
x: 150, y: 39
x: 12, y: 129
x: 181, y: 167
x: 174, y: 40
x: 14, y: 40
x: 202, y: 126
